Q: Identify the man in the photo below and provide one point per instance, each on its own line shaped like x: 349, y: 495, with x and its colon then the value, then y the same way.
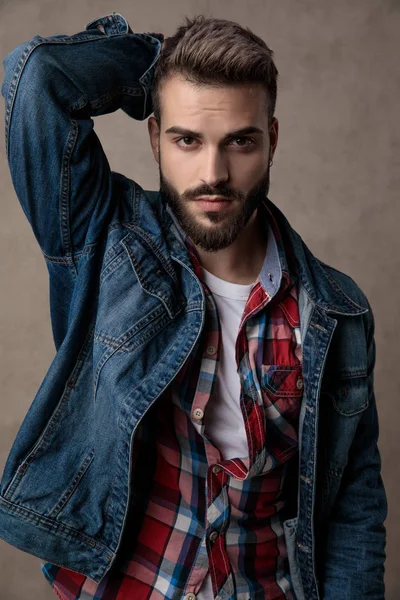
x: 208, y: 427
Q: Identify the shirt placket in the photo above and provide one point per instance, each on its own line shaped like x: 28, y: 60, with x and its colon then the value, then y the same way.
x: 251, y: 404
x: 218, y: 518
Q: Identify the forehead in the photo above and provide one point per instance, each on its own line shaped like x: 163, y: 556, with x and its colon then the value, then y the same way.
x: 236, y: 105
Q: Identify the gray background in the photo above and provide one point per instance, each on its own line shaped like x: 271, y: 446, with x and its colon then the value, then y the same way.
x: 336, y: 176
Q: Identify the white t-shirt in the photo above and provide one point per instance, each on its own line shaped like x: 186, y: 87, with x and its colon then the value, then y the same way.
x: 224, y: 422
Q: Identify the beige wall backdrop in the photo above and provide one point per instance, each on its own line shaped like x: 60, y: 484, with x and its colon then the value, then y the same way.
x: 336, y: 175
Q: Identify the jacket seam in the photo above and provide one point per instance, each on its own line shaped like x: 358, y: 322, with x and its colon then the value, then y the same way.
x: 67, y: 259
x: 66, y: 188
x: 52, y: 524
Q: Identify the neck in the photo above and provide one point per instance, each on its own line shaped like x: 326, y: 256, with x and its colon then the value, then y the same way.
x: 241, y: 262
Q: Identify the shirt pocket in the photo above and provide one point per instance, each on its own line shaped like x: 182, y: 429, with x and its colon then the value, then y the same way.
x: 282, y: 391
x: 282, y: 381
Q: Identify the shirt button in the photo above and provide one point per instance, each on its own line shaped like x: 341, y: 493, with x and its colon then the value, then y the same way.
x: 190, y: 597
x: 299, y: 384
x: 211, y: 350
x: 213, y: 535
x: 198, y: 414
x: 216, y: 470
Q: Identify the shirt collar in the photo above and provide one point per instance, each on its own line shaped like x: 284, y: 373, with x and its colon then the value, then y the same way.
x: 274, y: 273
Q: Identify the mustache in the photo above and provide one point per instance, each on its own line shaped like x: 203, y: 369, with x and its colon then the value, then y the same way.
x: 207, y: 190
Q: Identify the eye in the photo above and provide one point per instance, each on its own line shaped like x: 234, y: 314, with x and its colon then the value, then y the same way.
x: 185, y: 141
x: 244, y: 142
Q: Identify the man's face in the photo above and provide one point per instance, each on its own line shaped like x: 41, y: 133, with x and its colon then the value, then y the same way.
x: 213, y: 149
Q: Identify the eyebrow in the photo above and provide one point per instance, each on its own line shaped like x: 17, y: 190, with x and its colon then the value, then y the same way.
x: 196, y: 134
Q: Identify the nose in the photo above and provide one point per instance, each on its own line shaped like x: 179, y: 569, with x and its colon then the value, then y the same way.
x: 214, y: 168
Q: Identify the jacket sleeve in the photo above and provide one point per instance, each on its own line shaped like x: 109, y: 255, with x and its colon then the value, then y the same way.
x: 52, y: 88
x: 355, y: 553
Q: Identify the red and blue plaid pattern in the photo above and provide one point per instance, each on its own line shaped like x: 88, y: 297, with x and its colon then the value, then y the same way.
x: 206, y: 514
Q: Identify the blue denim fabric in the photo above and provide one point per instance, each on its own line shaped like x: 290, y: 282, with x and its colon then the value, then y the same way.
x: 127, y: 309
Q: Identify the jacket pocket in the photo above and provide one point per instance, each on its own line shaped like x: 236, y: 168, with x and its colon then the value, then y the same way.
x: 290, y: 528
x: 73, y: 484
x: 342, y: 404
x: 350, y: 396
x: 138, y: 295
x: 54, y: 467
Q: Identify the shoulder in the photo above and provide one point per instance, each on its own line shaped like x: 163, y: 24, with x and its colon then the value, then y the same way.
x: 346, y: 283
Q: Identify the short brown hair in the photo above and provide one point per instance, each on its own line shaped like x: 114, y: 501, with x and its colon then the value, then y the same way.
x: 209, y: 51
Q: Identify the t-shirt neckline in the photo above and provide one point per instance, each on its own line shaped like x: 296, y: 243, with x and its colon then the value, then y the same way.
x: 226, y: 289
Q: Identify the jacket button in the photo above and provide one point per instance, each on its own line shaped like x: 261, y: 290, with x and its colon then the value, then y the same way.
x: 198, y: 414
x: 190, y: 597
x: 211, y: 350
x: 299, y: 384
x: 216, y: 470
x: 213, y: 535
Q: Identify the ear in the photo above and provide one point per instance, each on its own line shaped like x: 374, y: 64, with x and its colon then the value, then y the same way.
x: 273, y: 137
x: 154, y: 133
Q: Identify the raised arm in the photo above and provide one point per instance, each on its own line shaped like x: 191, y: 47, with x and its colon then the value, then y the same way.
x: 52, y: 87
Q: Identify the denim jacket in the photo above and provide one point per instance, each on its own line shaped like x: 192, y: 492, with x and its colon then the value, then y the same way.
x: 126, y: 311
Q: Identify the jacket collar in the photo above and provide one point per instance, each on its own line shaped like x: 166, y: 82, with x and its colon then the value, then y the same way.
x: 318, y: 280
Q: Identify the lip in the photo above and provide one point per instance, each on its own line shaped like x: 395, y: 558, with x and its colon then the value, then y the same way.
x: 213, y: 203
x: 213, y: 199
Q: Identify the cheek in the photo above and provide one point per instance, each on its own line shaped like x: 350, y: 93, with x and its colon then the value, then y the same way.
x: 246, y: 170
x: 179, y: 170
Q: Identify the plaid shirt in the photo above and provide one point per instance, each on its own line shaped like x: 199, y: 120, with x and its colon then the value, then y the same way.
x: 205, y: 514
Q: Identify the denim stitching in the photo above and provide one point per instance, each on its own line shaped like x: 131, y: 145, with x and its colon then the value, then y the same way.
x: 65, y: 187
x: 56, y: 526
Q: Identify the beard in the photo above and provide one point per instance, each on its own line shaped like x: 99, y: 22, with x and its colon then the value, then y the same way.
x: 222, y: 230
